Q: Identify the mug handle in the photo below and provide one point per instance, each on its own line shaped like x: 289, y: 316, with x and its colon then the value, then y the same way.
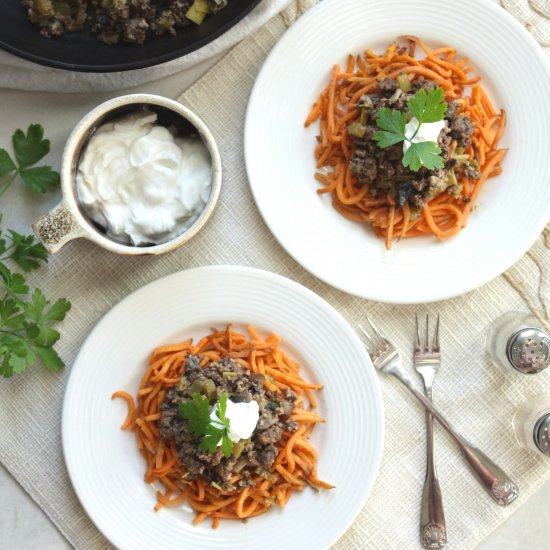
x: 57, y: 227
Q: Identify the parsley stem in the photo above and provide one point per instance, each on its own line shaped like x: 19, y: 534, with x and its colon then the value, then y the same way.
x: 8, y: 184
x: 410, y: 140
x: 12, y: 333
x: 8, y: 256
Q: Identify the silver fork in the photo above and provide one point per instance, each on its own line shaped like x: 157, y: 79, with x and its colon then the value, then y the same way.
x: 387, y: 360
x: 433, y: 530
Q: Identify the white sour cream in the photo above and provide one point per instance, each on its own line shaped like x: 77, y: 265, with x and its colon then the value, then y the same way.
x: 142, y: 184
x: 428, y: 131
x: 243, y: 418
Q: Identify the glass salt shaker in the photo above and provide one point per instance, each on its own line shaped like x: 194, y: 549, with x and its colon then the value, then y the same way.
x: 532, y: 424
x: 519, y: 340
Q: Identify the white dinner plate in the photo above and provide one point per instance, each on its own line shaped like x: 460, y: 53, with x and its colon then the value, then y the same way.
x: 105, y: 466
x: 512, y: 209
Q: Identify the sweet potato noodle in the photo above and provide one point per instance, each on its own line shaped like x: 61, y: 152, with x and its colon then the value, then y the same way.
x: 295, y: 465
x: 443, y: 215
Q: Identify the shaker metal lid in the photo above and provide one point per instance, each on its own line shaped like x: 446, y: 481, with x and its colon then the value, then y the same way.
x: 542, y: 434
x: 528, y: 350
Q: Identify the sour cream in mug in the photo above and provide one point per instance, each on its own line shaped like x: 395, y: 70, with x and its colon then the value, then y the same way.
x: 140, y: 182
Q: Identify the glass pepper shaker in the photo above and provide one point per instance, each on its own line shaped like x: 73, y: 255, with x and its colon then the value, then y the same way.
x: 519, y: 340
x: 532, y: 424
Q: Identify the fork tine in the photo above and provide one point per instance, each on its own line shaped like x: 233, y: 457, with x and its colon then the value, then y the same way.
x: 426, y: 338
x: 377, y: 332
x: 417, y: 337
x: 365, y: 333
x: 435, y: 343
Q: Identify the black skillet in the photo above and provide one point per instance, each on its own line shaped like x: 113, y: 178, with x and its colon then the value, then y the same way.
x: 82, y: 52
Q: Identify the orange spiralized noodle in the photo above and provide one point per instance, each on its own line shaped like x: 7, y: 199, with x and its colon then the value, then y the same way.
x: 442, y: 216
x: 295, y: 466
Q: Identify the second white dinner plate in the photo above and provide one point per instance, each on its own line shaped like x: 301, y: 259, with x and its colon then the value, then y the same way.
x: 512, y: 208
x: 106, y: 468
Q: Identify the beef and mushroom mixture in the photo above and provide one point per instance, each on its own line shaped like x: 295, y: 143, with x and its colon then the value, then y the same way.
x: 113, y: 21
x: 382, y: 169
x: 255, y: 455
x: 56, y: 18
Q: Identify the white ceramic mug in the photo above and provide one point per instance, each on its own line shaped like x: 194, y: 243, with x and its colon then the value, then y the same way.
x: 68, y: 220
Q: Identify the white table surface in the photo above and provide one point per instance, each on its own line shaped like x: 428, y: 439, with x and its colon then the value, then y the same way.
x: 23, y: 526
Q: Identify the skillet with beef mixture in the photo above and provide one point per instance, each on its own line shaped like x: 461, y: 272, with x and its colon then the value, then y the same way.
x: 113, y: 21
x: 382, y: 169
x: 253, y: 456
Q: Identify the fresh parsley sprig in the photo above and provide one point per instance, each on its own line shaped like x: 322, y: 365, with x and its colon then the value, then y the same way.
x: 26, y: 316
x: 426, y: 108
x: 29, y: 149
x: 197, y: 413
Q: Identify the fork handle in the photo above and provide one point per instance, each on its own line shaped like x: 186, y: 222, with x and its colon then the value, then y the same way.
x: 433, y: 529
x: 497, y: 484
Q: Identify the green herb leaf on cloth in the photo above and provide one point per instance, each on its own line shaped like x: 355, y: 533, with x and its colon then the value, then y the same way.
x: 28, y: 149
x: 26, y: 317
x: 26, y: 330
x: 6, y: 164
x: 31, y: 147
x: 40, y: 178
x: 27, y: 253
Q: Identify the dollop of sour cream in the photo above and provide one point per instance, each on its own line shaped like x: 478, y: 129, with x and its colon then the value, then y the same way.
x: 243, y: 418
x: 427, y: 131
x: 142, y: 184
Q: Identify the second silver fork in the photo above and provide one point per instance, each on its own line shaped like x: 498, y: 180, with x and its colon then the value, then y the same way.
x: 433, y: 530
x: 387, y: 360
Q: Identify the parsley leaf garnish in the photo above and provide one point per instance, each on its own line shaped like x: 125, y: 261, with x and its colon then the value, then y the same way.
x: 425, y: 154
x: 197, y: 413
x: 426, y: 108
x: 392, y: 122
x: 26, y: 317
x: 28, y: 148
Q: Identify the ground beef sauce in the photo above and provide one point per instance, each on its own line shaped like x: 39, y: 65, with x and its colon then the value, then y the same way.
x: 253, y: 456
x: 112, y: 21
x: 382, y: 169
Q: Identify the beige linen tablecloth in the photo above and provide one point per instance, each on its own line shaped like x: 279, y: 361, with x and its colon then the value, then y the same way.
x: 480, y: 397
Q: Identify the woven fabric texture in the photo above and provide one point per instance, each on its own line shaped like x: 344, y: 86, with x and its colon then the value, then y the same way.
x: 480, y: 397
